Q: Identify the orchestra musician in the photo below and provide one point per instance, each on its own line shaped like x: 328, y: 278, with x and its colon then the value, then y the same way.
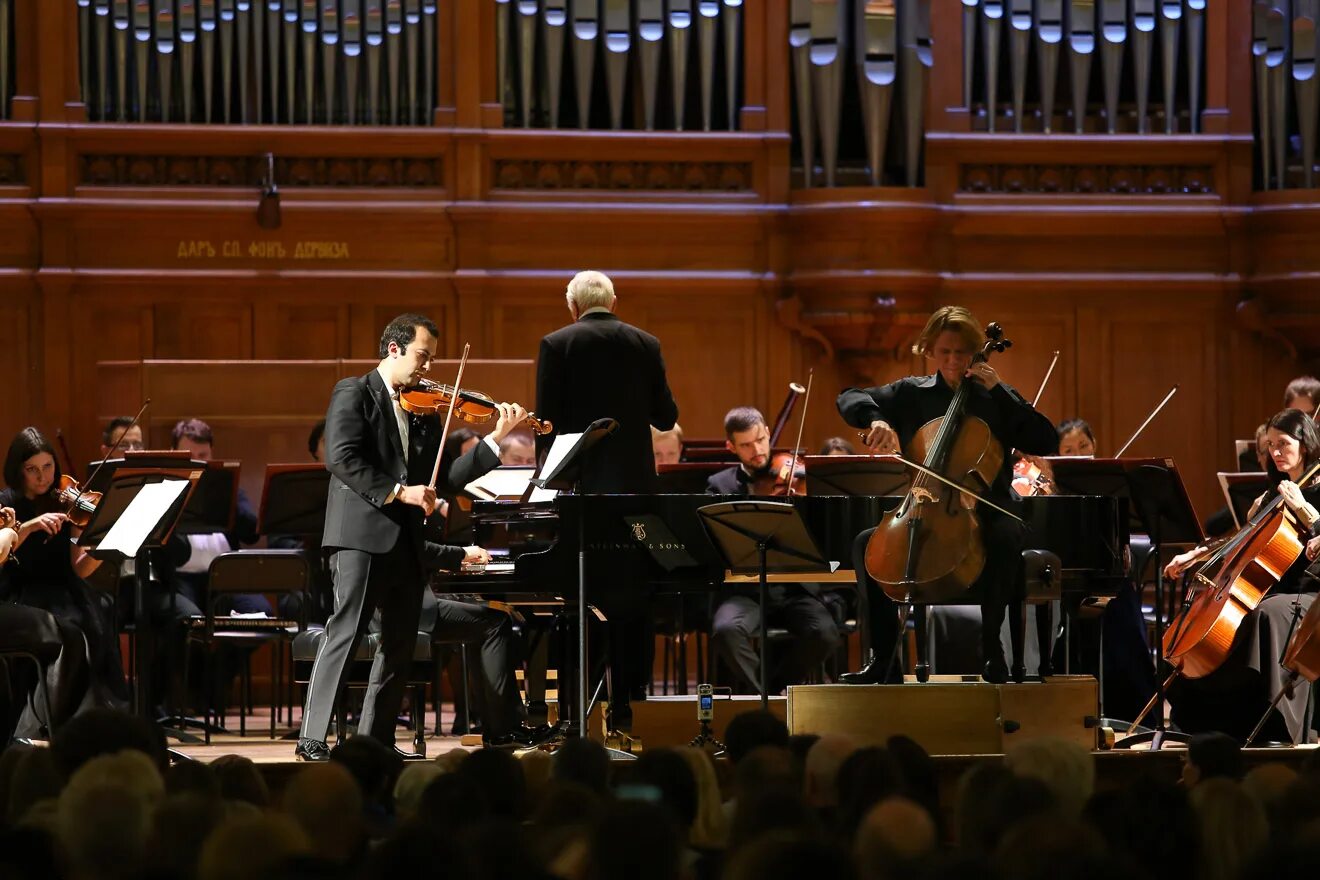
x: 1302, y: 393
x: 122, y: 427
x: 836, y: 446
x: 892, y: 414
x: 1233, y: 697
x: 518, y: 449
x: 49, y: 576
x: 595, y: 368
x: 797, y: 608
x: 380, y: 459
x: 667, y: 446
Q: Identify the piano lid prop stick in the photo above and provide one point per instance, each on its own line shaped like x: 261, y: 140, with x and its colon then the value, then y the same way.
x: 1043, y: 382
x: 1153, y: 414
x: 449, y: 415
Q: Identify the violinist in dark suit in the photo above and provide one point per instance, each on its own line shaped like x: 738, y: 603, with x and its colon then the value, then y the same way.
x: 600, y: 367
x: 894, y: 413
x: 380, y: 459
x: 798, y: 608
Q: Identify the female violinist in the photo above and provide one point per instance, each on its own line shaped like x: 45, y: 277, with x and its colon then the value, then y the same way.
x: 893, y: 414
x: 1235, y: 695
x: 49, y: 575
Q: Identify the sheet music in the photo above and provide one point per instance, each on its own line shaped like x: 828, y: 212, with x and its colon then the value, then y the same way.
x: 559, y: 450
x: 502, y: 482
x: 147, y: 509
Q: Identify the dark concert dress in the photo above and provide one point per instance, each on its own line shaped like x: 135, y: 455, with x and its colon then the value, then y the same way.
x: 1233, y: 698
x: 89, y: 672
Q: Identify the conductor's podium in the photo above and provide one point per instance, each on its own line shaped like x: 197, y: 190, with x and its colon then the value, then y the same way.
x: 950, y: 715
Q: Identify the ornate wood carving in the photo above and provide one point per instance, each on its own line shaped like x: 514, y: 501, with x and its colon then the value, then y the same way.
x: 1137, y: 180
x: 534, y: 174
x: 249, y: 171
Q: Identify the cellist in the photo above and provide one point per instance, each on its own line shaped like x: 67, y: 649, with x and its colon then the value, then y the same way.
x: 1233, y: 697
x: 892, y: 414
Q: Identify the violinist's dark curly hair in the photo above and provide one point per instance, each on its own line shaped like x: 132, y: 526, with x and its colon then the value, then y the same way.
x: 1300, y: 427
x: 403, y: 330
x: 26, y: 443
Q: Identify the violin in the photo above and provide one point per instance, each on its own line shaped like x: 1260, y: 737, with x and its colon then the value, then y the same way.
x: 1030, y: 478
x: 929, y: 548
x: 428, y: 398
x: 78, y: 505
x: 786, y: 475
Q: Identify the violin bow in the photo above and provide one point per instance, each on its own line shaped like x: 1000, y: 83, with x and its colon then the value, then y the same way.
x: 963, y: 489
x: 806, y: 402
x: 444, y: 432
x: 1043, y: 382
x: 1149, y: 418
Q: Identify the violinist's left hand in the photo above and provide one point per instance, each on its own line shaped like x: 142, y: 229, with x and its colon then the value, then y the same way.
x: 511, y: 416
x: 1313, y: 548
x: 985, y: 374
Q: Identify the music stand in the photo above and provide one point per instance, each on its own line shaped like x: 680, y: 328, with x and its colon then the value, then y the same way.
x: 293, y: 501
x: 1241, y: 491
x: 884, y: 475
x: 754, y: 537
x: 564, y: 464
x: 1160, y: 507
x: 149, y: 519
x: 687, y: 477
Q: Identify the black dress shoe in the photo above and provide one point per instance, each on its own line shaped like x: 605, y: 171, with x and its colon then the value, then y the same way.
x: 409, y: 756
x: 872, y: 673
x: 503, y: 741
x: 312, y: 750
x: 995, y: 671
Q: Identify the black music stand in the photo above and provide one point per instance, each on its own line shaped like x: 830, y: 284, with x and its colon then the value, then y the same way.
x: 293, y: 502
x: 124, y: 499
x: 756, y: 537
x: 1161, y: 508
x: 564, y: 476
x: 686, y: 477
x: 1241, y: 490
x: 856, y: 475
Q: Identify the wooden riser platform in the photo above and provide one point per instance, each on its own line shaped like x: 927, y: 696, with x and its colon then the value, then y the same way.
x: 949, y: 715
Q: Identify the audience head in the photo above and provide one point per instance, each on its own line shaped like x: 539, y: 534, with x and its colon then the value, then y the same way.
x: 821, y: 777
x: 121, y: 430
x: 1150, y: 823
x: 451, y: 802
x: 1044, y: 847
x: 789, y: 855
x: 34, y: 778
x: 710, y: 830
x: 103, y: 732
x: 750, y: 730
x: 917, y: 770
x: 636, y: 840
x: 31, y: 468
x: 105, y: 814
x: 240, y: 780
x: 1210, y: 756
x: 326, y: 802
x: 374, y: 765
x: 1233, y: 827
x: 892, y: 838
x: 589, y: 290
x: 252, y: 845
x: 412, y: 782
x: 991, y: 799
x: 1076, y: 438
x: 667, y: 446
x: 668, y: 773
x: 1067, y: 768
x: 193, y: 436
x: 499, y: 775
x: 585, y: 762
x: 866, y: 777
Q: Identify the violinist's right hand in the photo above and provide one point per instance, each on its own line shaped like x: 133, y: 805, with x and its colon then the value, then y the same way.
x: 1182, y: 562
x: 419, y: 496
x: 881, y: 438
x: 50, y: 523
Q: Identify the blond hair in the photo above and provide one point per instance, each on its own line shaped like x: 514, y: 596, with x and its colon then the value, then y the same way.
x: 589, y: 290
x: 955, y: 318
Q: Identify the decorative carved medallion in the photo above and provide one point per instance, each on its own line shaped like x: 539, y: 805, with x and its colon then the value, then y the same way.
x: 250, y: 171
x: 618, y: 175
x: 1136, y: 180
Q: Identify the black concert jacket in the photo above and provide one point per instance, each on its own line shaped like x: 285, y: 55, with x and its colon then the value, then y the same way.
x: 912, y: 402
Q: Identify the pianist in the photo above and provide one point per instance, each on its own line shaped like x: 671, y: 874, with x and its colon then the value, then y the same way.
x: 798, y: 608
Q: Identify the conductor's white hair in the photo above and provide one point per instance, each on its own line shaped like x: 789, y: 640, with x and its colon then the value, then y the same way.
x: 589, y: 290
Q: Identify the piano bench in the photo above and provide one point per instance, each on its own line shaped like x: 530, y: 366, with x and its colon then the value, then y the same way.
x: 307, y: 644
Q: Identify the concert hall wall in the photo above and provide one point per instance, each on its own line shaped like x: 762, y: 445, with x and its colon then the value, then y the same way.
x: 1144, y: 259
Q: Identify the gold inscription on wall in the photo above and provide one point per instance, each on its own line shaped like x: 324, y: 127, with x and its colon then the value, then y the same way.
x: 200, y: 249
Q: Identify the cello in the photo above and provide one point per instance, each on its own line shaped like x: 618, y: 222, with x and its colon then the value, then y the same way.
x: 929, y: 548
